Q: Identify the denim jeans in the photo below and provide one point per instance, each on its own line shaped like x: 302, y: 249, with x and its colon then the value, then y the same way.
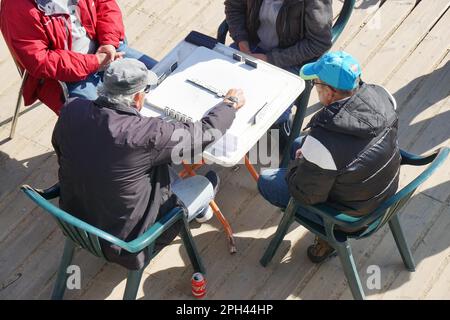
x: 195, y: 193
x: 87, y: 88
x: 273, y: 187
x: 295, y: 70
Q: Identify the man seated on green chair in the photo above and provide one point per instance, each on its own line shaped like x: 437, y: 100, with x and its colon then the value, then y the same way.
x: 350, y: 157
x: 114, y: 163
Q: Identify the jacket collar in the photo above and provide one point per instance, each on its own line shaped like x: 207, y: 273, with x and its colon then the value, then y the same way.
x: 55, y: 7
x: 102, y: 103
x: 364, y: 115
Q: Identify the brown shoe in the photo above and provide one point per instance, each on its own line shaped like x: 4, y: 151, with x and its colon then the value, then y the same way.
x: 320, y: 251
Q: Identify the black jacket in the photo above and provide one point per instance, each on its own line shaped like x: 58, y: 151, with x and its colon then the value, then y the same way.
x: 113, y: 168
x: 351, y: 157
x: 303, y: 27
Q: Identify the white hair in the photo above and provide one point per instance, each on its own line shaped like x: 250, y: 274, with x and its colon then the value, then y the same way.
x: 127, y: 100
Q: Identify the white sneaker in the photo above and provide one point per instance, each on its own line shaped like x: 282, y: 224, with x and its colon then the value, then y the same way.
x: 205, y: 215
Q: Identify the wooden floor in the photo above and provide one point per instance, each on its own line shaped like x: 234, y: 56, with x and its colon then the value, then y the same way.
x: 402, y: 44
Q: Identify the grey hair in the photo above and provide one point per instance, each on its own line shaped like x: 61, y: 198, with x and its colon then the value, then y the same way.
x: 127, y: 100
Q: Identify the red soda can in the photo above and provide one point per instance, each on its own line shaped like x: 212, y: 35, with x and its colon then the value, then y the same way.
x: 198, y: 283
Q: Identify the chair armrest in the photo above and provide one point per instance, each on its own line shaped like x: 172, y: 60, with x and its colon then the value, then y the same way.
x: 132, y: 246
x: 338, y: 218
x: 222, y: 32
x: 155, y: 230
x: 417, y: 160
x: 49, y: 193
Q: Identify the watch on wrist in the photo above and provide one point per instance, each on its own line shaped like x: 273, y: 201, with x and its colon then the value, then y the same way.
x: 234, y: 101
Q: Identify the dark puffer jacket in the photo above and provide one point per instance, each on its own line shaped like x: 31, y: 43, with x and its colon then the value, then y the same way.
x: 303, y: 27
x: 350, y: 159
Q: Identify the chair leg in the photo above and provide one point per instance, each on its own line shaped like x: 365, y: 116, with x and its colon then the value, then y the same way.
x: 402, y: 245
x: 285, y: 223
x: 16, y: 115
x: 302, y: 104
x: 61, y: 279
x: 191, y: 248
x: 133, y: 281
x: 348, y: 263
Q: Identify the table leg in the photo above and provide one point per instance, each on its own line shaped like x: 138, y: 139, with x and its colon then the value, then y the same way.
x: 232, y: 243
x: 251, y: 169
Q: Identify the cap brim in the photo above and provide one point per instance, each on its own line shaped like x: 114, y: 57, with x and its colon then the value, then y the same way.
x: 308, y: 71
x: 152, y: 78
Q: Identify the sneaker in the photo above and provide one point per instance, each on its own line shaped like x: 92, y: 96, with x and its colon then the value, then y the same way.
x: 320, y: 251
x: 214, y: 179
x: 205, y: 215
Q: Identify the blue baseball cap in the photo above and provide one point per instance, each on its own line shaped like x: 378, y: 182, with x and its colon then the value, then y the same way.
x: 338, y: 69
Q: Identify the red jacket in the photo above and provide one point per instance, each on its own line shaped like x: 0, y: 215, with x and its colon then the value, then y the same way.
x: 41, y: 44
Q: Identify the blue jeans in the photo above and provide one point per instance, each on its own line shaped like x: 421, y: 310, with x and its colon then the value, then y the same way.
x: 87, y: 88
x: 273, y: 187
x: 295, y: 70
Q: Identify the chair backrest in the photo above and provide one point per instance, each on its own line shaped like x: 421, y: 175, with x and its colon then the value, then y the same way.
x: 341, y: 22
x: 80, y: 232
x: 393, y: 205
x: 338, y: 27
x: 79, y: 236
x: 87, y: 236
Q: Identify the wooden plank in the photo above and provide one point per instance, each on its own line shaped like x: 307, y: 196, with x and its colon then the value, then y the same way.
x: 36, y: 272
x: 424, y: 60
x: 411, y: 32
x: 364, y: 10
x: 431, y: 256
x: 378, y: 29
x: 24, y: 240
x: 424, y: 105
x: 441, y: 288
x: 89, y: 267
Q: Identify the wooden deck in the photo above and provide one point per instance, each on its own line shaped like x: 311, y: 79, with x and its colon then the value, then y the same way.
x: 402, y: 44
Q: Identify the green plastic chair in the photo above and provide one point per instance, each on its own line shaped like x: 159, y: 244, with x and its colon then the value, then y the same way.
x: 79, y: 233
x: 333, y: 220
x: 303, y: 100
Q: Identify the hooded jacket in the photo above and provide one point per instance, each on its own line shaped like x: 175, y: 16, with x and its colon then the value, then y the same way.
x: 350, y: 158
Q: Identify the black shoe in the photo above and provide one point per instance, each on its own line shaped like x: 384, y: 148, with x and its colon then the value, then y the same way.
x: 320, y: 251
x: 214, y: 179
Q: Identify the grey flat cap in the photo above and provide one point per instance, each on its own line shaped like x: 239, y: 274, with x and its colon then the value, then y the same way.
x: 128, y: 76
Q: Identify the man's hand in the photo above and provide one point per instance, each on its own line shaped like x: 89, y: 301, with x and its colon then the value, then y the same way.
x: 103, y: 61
x: 298, y: 154
x: 244, y: 47
x: 260, y: 56
x: 109, y: 50
x: 235, y: 98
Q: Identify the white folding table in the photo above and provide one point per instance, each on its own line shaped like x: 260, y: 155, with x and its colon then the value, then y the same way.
x: 289, y: 92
